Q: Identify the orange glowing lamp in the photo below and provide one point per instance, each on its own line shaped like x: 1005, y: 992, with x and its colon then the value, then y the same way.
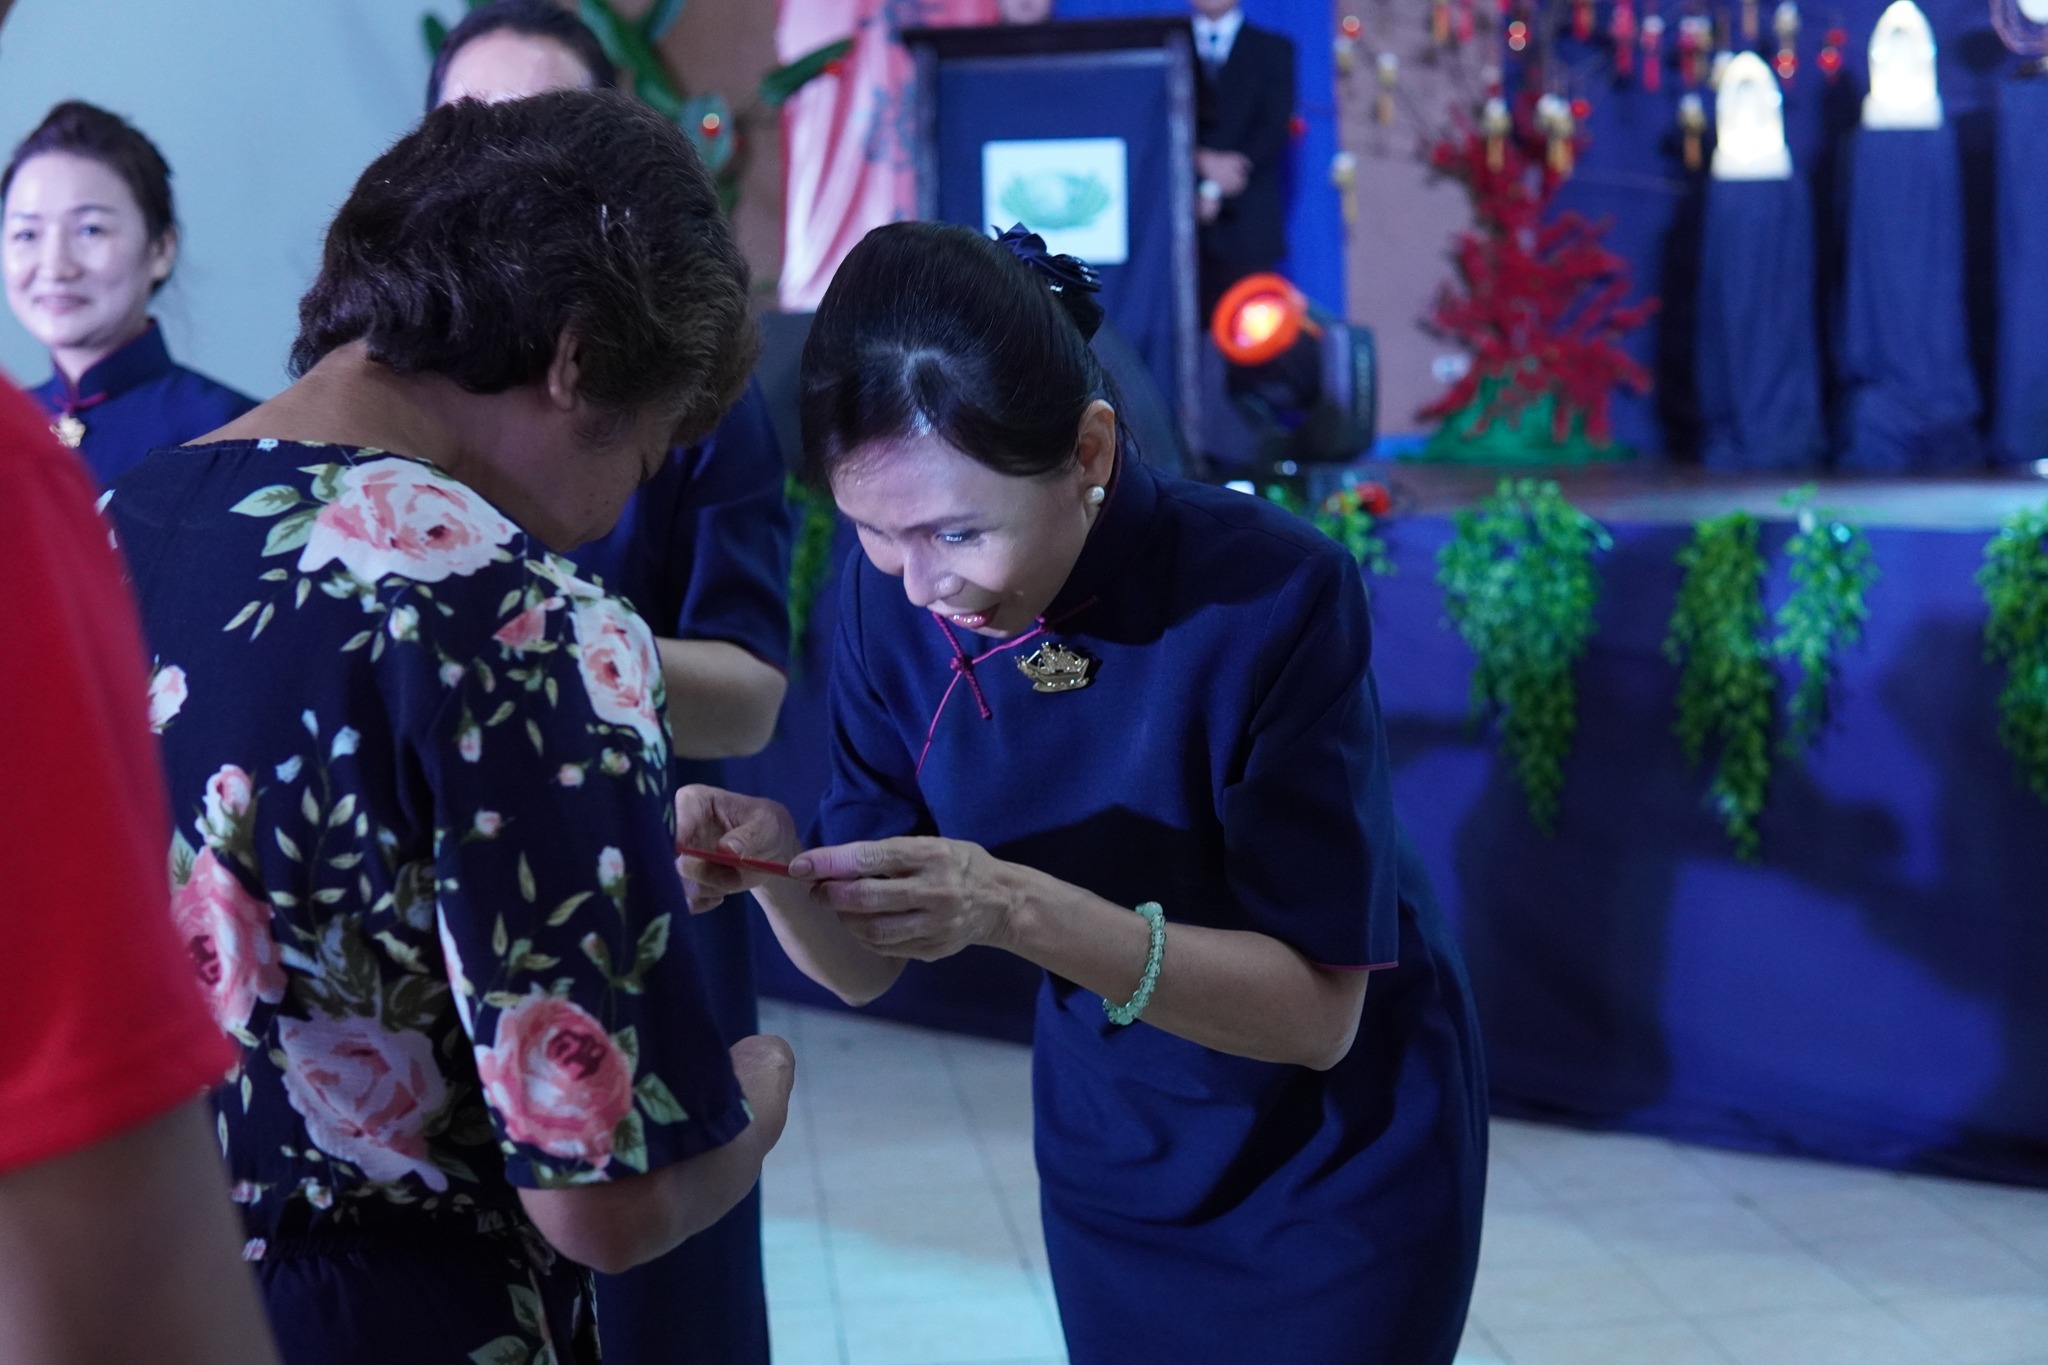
x: 1259, y: 319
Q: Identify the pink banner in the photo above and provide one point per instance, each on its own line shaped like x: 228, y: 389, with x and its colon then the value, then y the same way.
x: 846, y: 135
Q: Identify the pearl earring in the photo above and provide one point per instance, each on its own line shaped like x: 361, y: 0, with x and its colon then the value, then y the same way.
x: 1096, y: 495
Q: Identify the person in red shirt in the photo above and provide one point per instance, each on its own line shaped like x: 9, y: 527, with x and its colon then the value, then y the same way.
x: 116, y: 1243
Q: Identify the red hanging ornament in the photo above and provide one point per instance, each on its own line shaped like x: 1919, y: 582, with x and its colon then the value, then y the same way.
x: 1653, y: 51
x: 1695, y: 39
x: 1495, y: 123
x: 1692, y: 121
x: 1440, y: 22
x: 1830, y: 59
x: 1785, y: 24
x: 1345, y: 47
x: 1518, y: 36
x: 1467, y: 21
x: 1749, y: 21
x: 1582, y: 20
x: 1621, y: 27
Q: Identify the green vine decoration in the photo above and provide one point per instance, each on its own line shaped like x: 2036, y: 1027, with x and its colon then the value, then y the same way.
x: 2015, y: 583
x: 1725, y: 685
x: 1344, y: 518
x: 1832, y: 570
x: 1518, y: 583
x: 817, y: 522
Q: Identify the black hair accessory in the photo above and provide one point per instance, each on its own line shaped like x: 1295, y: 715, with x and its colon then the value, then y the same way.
x: 1072, y: 281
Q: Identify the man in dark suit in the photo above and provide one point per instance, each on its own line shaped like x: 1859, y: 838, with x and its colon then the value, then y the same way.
x: 1246, y: 107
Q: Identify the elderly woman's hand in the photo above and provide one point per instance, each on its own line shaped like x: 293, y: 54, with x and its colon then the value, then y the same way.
x: 915, y: 898
x: 749, y: 826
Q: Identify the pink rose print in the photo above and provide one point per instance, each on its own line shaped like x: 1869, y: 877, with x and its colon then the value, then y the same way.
x: 393, y: 516
x: 227, y: 931
x: 228, y: 794
x: 557, y: 1079
x: 366, y: 1093
x: 529, y: 627
x: 621, y: 671
x: 167, y: 695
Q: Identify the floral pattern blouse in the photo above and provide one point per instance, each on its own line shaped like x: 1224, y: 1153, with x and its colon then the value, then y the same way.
x: 423, y: 863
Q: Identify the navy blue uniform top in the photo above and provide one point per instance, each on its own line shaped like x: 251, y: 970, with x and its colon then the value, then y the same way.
x: 138, y: 400
x: 1227, y: 760
x: 702, y: 550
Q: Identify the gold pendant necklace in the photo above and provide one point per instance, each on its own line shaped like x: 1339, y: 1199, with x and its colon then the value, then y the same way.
x: 68, y: 429
x: 1057, y: 668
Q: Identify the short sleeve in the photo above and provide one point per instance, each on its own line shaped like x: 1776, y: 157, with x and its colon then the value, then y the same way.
x: 740, y: 537
x: 1310, y: 842
x: 558, y: 899
x: 104, y: 1020
x: 871, y: 791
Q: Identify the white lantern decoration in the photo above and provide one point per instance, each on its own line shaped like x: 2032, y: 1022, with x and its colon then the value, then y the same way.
x: 1749, y: 119
x: 1902, y: 90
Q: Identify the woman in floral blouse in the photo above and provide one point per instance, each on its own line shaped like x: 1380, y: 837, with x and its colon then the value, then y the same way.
x: 423, y: 849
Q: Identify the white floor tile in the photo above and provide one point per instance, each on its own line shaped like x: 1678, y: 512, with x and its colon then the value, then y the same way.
x: 1840, y: 1336
x: 1982, y: 1329
x: 1573, y: 1294
x: 804, y: 1336
x: 1964, y: 1263
x: 1655, y: 1342
x: 1709, y: 1283
x: 986, y: 1328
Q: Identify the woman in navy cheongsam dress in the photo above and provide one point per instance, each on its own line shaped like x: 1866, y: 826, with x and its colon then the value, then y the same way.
x: 424, y: 858
x: 1064, y: 688
x: 91, y: 236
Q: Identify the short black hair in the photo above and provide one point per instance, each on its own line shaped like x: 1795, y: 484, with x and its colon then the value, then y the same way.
x: 932, y: 327
x: 535, y: 19
x: 87, y: 130
x: 471, y: 246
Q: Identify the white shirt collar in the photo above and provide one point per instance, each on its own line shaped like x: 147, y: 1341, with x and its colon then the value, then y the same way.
x: 1215, y: 37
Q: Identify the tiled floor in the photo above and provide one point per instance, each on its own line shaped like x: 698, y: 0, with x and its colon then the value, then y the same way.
x: 902, y: 1229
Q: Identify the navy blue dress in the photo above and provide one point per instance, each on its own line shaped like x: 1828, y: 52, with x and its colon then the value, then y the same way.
x: 702, y: 553
x: 423, y: 862
x: 138, y: 400
x: 1227, y: 760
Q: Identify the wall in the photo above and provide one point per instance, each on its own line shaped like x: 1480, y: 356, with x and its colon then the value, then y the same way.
x: 267, y: 111
x: 726, y: 46
x: 1398, y: 250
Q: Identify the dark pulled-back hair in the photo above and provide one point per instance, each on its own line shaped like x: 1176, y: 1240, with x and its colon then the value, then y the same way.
x: 480, y: 237
x: 934, y: 328
x: 532, y: 19
x: 89, y: 131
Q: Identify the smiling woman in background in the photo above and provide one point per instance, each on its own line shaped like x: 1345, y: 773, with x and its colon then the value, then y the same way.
x: 91, y: 237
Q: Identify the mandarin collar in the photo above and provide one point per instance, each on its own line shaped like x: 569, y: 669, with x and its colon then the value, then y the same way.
x: 1112, y: 540
x: 141, y: 360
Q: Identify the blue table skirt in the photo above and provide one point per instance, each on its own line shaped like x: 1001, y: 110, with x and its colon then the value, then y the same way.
x: 1872, y: 992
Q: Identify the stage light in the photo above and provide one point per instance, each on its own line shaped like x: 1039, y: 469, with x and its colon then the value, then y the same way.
x: 1303, y: 381
x: 1259, y: 320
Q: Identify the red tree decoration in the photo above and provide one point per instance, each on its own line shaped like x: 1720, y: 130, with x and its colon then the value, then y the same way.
x: 1538, y: 299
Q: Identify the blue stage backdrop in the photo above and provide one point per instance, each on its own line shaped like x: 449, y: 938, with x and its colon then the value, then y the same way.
x: 1871, y: 991
x: 1105, y: 95
x: 1315, y: 217
x: 1633, y: 172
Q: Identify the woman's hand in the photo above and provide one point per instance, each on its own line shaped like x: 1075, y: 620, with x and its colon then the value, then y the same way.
x: 915, y: 898
x: 750, y: 826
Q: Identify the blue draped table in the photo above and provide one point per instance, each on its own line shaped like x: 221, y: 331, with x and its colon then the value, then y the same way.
x: 1909, y: 400
x: 1872, y: 991
x: 1758, y: 354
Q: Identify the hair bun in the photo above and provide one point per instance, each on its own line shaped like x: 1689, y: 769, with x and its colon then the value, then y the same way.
x: 1072, y: 280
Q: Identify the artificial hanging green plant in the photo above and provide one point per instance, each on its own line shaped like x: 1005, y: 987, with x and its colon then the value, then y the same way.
x: 811, y: 561
x: 1726, y: 685
x: 1518, y: 583
x: 2014, y: 579
x: 1832, y: 569
x: 1345, y: 518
